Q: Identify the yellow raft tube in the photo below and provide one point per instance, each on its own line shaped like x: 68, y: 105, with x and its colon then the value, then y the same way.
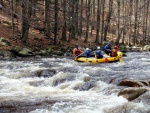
x: 101, y: 60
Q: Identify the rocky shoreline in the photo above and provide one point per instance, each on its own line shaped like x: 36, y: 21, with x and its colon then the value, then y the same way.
x: 17, y: 51
x: 27, y: 52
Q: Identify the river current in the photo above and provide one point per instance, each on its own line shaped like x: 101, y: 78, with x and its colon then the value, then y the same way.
x: 72, y: 87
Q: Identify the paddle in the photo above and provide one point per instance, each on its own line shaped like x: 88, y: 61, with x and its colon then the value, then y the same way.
x: 120, y: 56
x: 120, y: 60
x: 78, y: 56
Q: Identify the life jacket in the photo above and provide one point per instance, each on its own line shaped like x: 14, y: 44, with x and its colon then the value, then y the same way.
x: 77, y: 52
x: 114, y: 53
x: 106, y: 47
x: 99, y: 54
x: 87, y: 52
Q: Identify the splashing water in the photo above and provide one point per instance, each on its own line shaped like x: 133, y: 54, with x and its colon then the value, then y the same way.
x: 74, y: 88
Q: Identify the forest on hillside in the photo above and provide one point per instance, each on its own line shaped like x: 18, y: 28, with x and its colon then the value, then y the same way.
x: 120, y: 21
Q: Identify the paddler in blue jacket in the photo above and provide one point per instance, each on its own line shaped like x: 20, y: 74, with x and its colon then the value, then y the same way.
x: 88, y: 52
x: 108, y: 49
x: 98, y: 53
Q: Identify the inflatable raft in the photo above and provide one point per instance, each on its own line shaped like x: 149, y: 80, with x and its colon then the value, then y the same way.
x: 101, y: 60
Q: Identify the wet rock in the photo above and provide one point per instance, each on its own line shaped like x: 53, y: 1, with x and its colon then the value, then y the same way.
x: 145, y: 98
x: 36, y: 83
x: 58, y: 53
x: 134, y: 48
x: 24, y: 106
x: 3, y: 42
x: 63, y: 79
x: 37, y: 57
x: 131, y: 83
x: 15, y: 49
x: 6, y: 54
x: 45, y: 73
x: 88, y: 85
x: 86, y: 78
x: 25, y: 52
x: 43, y: 52
x: 146, y: 48
x: 132, y: 93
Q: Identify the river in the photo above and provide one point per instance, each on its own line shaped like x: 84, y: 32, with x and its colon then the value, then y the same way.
x: 71, y: 87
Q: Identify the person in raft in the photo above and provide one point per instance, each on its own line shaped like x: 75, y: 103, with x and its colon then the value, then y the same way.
x: 108, y: 49
x: 98, y: 53
x: 114, y: 51
x: 87, y: 52
x: 77, y: 51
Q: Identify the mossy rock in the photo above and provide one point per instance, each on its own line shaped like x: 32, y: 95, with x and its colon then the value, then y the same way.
x: 59, y: 53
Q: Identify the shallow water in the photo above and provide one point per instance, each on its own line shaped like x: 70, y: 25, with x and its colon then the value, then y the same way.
x: 74, y: 88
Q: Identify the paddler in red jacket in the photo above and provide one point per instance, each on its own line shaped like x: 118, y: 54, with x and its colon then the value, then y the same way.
x: 114, y: 51
x: 77, y: 51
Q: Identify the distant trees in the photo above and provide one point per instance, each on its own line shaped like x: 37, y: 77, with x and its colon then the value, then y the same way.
x: 126, y: 21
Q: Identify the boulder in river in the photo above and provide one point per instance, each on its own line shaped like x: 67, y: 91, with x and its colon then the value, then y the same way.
x: 131, y: 83
x: 45, y: 73
x: 132, y: 93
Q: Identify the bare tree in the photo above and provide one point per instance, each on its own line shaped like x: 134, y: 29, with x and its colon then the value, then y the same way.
x: 56, y: 22
x: 108, y: 19
x: 64, y: 30
x: 81, y: 16
x: 12, y: 17
x: 97, y: 41
x: 102, y: 26
x: 118, y: 21
x: 47, y: 17
x: 26, y: 15
x: 87, y: 20
x: 136, y: 22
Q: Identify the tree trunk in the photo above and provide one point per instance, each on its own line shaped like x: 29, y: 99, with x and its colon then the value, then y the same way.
x: 108, y: 19
x: 81, y: 16
x: 76, y: 17
x: 102, y: 27
x: 87, y: 20
x: 97, y: 41
x: 26, y: 15
x: 12, y: 18
x: 118, y: 22
x: 136, y: 21
x: 93, y: 16
x: 56, y: 22
x: 73, y: 27
x: 64, y: 30
x: 1, y: 2
x: 130, y: 24
x: 47, y: 17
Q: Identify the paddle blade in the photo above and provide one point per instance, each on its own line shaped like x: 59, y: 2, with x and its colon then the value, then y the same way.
x: 120, y: 60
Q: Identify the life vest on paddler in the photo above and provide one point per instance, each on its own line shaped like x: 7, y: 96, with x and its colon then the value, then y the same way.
x: 77, y: 51
x: 114, y: 51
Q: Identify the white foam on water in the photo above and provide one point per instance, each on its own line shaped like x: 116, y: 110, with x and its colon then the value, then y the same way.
x: 14, y: 86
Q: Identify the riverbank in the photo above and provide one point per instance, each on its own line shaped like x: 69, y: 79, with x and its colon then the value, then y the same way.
x: 38, y: 44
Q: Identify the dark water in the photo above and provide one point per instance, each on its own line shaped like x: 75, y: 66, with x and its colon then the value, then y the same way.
x: 71, y: 87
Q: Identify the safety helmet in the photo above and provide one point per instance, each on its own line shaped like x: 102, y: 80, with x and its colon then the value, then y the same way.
x: 98, y: 47
x: 115, y: 47
x: 87, y: 48
x: 76, y: 45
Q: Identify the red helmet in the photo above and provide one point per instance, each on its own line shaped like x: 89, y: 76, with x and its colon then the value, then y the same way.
x: 115, y: 47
